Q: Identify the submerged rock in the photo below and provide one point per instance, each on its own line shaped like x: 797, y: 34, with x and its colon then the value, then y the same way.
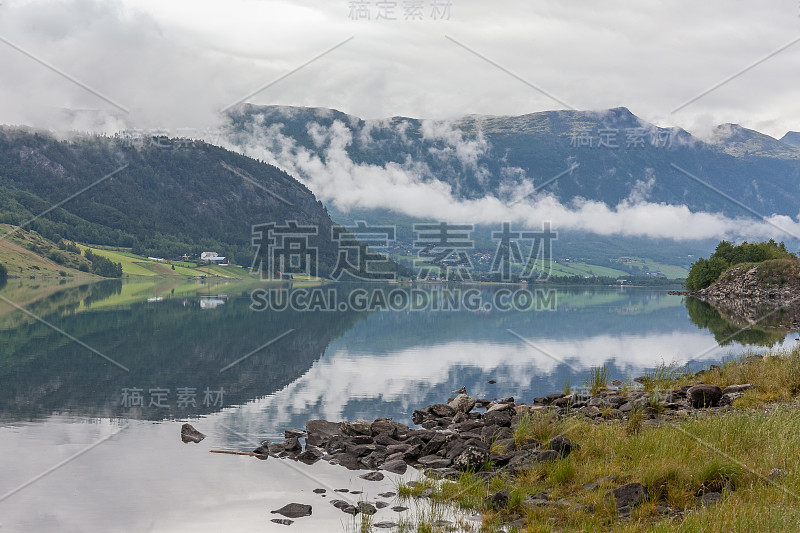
x: 294, y: 510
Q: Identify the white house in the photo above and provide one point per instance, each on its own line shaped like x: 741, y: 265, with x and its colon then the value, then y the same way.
x: 212, y: 257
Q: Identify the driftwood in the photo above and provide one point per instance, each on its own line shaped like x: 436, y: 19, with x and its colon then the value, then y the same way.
x: 251, y: 454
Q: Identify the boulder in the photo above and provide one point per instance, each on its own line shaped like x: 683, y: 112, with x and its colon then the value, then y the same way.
x: 463, y: 403
x: 190, y: 434
x: 704, y: 396
x: 367, y: 508
x: 357, y: 427
x: 311, y: 455
x: 628, y: 495
x: 498, y: 418
x: 319, y: 432
x: 386, y: 426
x: 396, y: 466
x: 441, y: 410
x: 283, y: 521
x: 563, y: 445
x: 731, y: 389
x: 472, y: 458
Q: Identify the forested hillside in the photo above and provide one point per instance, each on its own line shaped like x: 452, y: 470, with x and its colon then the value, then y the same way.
x: 164, y: 197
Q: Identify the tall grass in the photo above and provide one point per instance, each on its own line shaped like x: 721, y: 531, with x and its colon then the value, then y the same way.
x: 598, y: 379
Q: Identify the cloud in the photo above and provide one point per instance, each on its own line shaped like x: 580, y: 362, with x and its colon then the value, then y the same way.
x: 411, y: 189
x: 175, y: 64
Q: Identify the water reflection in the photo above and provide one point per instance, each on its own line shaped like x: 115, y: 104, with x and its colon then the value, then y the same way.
x: 729, y: 330
x: 344, y: 364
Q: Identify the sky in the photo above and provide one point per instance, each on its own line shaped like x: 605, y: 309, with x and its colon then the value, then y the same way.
x: 174, y: 65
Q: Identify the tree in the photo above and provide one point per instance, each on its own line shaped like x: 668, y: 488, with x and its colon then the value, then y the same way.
x: 705, y: 272
x: 3, y: 273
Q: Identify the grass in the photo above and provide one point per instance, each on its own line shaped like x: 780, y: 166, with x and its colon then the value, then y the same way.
x: 598, y: 379
x: 678, y: 462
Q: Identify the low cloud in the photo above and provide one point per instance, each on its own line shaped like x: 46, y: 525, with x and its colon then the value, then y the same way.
x: 409, y: 188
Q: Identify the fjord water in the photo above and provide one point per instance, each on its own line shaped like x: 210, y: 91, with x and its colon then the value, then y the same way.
x: 89, y: 432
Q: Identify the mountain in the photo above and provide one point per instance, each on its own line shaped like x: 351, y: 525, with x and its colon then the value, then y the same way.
x: 741, y: 142
x: 792, y: 138
x: 620, y: 156
x: 163, y: 197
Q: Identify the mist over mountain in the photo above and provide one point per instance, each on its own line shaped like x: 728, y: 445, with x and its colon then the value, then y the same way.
x: 606, y: 173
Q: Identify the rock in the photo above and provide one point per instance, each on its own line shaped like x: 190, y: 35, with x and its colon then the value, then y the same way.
x: 546, y: 455
x: 282, y: 521
x: 319, y: 491
x: 374, y: 460
x: 294, y: 433
x: 498, y: 418
x: 387, y: 495
x: 463, y: 403
x: 381, y: 505
x: 262, y: 451
x: 399, y: 508
x: 776, y: 474
x: 311, y: 455
x: 491, y: 382
x: 704, y: 396
x: 563, y: 445
x: 357, y: 427
x: 319, y: 432
x: 189, y: 434
x: 434, y: 461
x: 535, y: 502
x: 397, y: 466
x: 459, y: 417
x: 434, y: 444
x: 590, y: 486
x: 730, y: 389
x: 385, y: 525
x: 472, y: 458
x: 348, y: 461
x: 592, y: 411
x: 628, y: 495
x: 367, y: 508
x: 709, y: 498
x: 386, y: 426
x: 291, y: 445
x: 564, y: 401
x: 441, y: 410
x: 499, y: 407
x: 345, y: 507
x: 499, y: 500
x: 373, y: 476
x: 294, y: 510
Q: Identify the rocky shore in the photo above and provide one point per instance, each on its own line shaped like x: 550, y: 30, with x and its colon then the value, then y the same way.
x: 755, y: 294
x: 489, y: 438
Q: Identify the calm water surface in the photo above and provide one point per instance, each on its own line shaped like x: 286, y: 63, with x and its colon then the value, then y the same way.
x: 92, y: 444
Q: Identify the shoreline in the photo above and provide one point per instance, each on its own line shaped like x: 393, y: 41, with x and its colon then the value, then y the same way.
x: 557, y: 460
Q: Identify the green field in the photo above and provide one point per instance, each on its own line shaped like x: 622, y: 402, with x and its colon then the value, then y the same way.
x: 134, y: 265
